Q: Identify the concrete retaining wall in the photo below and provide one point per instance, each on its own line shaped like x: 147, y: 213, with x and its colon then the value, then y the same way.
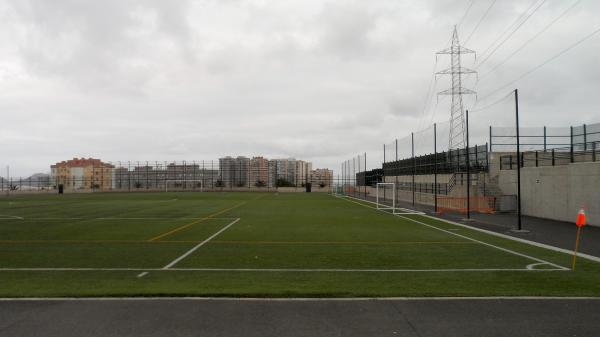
x: 557, y: 192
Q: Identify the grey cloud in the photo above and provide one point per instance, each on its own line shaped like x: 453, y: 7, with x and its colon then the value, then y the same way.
x: 318, y: 80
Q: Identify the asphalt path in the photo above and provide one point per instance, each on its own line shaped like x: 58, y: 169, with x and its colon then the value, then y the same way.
x: 300, y: 317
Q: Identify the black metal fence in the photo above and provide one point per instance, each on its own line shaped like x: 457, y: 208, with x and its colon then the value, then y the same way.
x: 544, y: 139
x: 579, y: 153
x: 441, y: 163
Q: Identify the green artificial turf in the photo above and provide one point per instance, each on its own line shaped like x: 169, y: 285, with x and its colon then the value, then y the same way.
x: 284, y: 244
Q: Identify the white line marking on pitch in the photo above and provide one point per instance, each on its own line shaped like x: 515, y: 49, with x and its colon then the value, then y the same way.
x: 533, y: 265
x: 336, y: 270
x: 140, y: 275
x: 10, y: 217
x: 469, y: 238
x: 300, y: 299
x: 174, y: 262
x: 504, y: 236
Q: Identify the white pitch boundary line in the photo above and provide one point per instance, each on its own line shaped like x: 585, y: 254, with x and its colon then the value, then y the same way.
x: 299, y: 299
x: 111, y: 218
x: 532, y: 243
x: 504, y: 236
x: 311, y: 270
x: 174, y: 262
x: 474, y: 240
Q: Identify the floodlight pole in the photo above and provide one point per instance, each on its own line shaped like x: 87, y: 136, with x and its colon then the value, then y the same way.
x: 468, y: 160
x: 519, y: 224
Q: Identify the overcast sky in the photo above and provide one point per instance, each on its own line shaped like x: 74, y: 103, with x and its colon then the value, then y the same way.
x: 315, y: 80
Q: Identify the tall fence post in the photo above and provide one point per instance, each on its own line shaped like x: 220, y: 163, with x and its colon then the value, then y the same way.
x: 435, y: 183
x: 468, y: 162
x: 490, y: 139
x: 545, y: 141
x: 412, y: 137
x: 365, y: 176
x: 584, y: 137
x: 572, y: 154
x: 487, y: 160
x: 519, y: 224
x: 129, y: 175
x: 383, y: 169
x: 354, y: 174
x: 396, y: 175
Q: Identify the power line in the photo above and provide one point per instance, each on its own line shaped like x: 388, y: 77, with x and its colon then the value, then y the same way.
x: 509, y: 27
x: 533, y: 38
x: 429, y: 93
x: 480, y: 21
x: 491, y: 104
x: 523, y: 18
x: 465, y: 14
x: 527, y: 73
x: 510, y: 35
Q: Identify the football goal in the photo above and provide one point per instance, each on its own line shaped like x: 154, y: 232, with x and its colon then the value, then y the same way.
x: 386, y: 199
x: 338, y: 190
x: 184, y: 185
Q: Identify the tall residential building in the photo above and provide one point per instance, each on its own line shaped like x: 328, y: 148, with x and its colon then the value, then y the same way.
x: 234, y: 172
x: 259, y: 172
x: 303, y: 169
x: 322, y: 177
x: 82, y: 173
x: 282, y: 171
x: 289, y: 172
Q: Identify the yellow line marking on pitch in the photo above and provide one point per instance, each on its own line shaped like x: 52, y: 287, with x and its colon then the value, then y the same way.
x: 89, y: 241
x: 195, y: 222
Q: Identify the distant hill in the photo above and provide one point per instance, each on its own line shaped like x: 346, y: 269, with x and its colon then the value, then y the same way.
x: 39, y: 176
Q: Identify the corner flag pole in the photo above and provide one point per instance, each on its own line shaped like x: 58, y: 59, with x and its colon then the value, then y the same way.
x: 580, y: 222
x: 576, y: 247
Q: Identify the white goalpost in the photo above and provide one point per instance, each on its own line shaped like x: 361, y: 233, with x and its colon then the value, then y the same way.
x: 382, y: 195
x: 181, y: 184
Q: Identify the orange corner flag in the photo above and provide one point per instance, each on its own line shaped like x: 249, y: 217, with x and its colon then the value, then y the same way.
x: 580, y: 218
x: 580, y: 222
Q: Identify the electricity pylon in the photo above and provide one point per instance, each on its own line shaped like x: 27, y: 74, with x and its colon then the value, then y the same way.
x: 457, y: 118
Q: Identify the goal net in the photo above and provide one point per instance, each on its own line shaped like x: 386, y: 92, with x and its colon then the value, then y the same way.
x: 184, y: 185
